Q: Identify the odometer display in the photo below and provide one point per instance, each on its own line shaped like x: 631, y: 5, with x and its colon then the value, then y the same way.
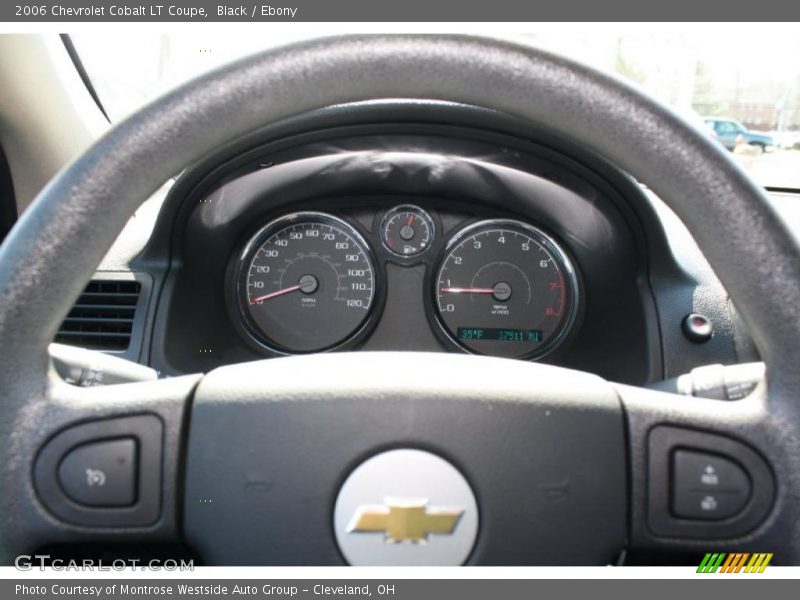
x: 505, y: 288
x: 499, y: 335
x: 306, y: 283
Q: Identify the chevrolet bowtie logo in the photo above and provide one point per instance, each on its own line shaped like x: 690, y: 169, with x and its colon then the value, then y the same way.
x: 405, y: 520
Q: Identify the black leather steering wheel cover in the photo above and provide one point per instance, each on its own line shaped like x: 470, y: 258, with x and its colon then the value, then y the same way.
x: 55, y: 247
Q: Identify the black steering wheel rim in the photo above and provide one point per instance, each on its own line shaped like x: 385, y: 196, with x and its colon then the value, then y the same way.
x: 62, y: 237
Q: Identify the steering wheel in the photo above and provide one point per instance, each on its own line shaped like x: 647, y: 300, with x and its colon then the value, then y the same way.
x: 254, y: 463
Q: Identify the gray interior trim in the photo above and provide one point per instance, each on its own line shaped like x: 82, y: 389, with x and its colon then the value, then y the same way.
x: 47, y: 117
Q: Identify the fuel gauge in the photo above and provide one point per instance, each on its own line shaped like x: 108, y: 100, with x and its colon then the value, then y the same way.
x: 407, y: 230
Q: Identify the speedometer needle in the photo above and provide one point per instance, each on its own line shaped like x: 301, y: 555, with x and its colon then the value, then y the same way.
x: 287, y: 290
x: 460, y: 290
x: 308, y: 284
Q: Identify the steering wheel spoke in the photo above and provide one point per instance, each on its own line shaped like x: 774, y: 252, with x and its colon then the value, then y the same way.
x: 97, y: 463
x: 702, y: 470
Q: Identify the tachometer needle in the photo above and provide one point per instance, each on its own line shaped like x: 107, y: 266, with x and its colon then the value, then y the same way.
x: 287, y: 290
x: 460, y: 290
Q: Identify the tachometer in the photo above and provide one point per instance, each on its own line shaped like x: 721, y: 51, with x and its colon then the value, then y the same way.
x: 505, y: 288
x: 306, y: 283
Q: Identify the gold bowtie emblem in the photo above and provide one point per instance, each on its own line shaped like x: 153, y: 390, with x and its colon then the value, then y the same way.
x: 405, y: 520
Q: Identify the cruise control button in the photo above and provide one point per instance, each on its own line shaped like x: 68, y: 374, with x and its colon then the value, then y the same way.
x: 707, y: 486
x: 101, y: 474
x: 703, y: 471
x: 708, y: 506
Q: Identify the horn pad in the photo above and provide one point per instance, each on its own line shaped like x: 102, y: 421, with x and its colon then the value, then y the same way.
x: 277, y: 447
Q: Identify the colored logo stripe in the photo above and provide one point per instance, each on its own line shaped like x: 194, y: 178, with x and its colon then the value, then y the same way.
x: 758, y: 563
x: 734, y: 562
x: 711, y: 562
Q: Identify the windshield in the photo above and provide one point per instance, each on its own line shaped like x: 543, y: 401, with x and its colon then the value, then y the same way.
x: 738, y: 83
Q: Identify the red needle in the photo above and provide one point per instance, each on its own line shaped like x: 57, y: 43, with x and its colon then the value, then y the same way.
x: 410, y: 220
x: 287, y: 290
x: 458, y: 290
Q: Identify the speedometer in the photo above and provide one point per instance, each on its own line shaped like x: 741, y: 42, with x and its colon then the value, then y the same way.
x: 505, y: 288
x: 306, y: 283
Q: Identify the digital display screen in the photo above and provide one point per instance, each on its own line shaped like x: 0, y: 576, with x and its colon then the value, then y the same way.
x: 499, y: 334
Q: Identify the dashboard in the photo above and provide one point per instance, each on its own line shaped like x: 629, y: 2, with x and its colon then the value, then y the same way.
x: 421, y: 227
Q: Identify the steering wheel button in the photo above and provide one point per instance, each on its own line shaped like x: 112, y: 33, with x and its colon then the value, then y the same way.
x: 708, y: 506
x: 100, y: 474
x: 707, y: 486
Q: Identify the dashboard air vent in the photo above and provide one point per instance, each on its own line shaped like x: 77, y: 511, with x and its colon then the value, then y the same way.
x: 102, y: 318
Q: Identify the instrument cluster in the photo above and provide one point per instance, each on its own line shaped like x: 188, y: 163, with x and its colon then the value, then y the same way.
x: 312, y: 281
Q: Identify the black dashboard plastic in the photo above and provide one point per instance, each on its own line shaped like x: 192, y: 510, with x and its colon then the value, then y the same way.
x: 641, y: 270
x: 459, y: 181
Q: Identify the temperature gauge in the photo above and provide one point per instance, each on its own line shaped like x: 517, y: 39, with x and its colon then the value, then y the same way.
x: 407, y: 230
